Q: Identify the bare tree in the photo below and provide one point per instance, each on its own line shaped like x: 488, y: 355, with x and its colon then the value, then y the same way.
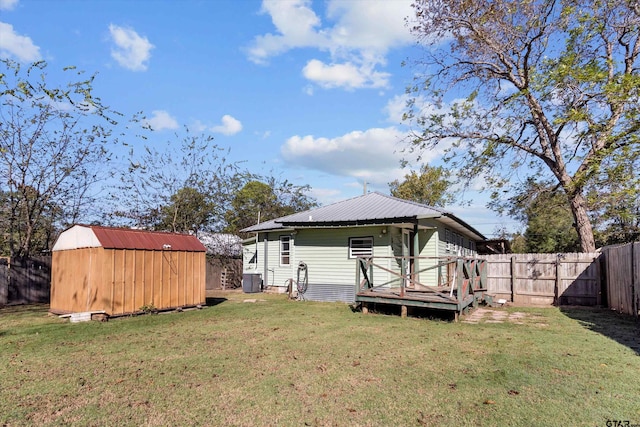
x: 529, y: 88
x: 53, y: 150
x: 178, y: 188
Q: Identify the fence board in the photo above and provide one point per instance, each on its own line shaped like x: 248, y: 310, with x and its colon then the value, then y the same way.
x: 25, y: 280
x: 533, y: 279
x: 623, y: 278
x: 4, y: 281
x: 223, y: 273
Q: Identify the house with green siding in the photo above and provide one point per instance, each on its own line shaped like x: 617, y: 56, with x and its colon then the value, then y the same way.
x: 319, y: 247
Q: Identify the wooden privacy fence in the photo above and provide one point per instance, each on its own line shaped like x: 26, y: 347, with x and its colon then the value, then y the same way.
x: 25, y: 280
x: 223, y: 273
x: 547, y: 279
x: 623, y: 278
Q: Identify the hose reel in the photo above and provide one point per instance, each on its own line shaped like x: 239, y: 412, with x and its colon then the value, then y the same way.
x: 302, y: 281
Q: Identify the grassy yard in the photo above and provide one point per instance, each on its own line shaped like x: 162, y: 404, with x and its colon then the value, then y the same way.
x: 279, y: 362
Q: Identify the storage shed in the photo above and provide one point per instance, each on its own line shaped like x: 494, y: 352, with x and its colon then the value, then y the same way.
x: 122, y: 271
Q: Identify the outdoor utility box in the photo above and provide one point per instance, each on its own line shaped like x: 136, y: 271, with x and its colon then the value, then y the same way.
x: 251, y: 283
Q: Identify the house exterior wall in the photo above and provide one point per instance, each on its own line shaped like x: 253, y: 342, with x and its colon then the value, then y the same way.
x: 325, y: 251
x: 121, y: 281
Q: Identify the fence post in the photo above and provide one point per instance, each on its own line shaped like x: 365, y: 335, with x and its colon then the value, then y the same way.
x: 634, y: 284
x: 4, y: 281
x: 556, y: 290
x: 513, y: 279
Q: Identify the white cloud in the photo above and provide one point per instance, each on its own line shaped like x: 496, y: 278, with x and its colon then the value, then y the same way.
x: 131, y: 50
x: 229, y: 126
x: 161, y: 120
x: 363, y: 31
x: 263, y: 135
x: 348, y: 75
x: 396, y: 107
x: 296, y: 24
x: 326, y: 196
x: 8, y: 4
x: 370, y: 155
x: 370, y: 25
x: 13, y: 44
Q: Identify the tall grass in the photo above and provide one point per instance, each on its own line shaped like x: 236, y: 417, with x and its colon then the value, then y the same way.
x: 279, y: 362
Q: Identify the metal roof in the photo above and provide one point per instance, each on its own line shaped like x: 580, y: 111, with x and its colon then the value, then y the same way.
x: 84, y: 236
x: 372, y: 208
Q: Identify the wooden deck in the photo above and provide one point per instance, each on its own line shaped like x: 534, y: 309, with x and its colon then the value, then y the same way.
x: 469, y: 288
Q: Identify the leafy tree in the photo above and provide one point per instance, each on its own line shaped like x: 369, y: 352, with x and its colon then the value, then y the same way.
x: 546, y: 214
x: 178, y: 190
x: 263, y: 201
x: 53, y: 151
x: 550, y: 227
x: 518, y: 243
x: 188, y: 210
x: 614, y: 202
x: 430, y: 187
x: 551, y: 89
x: 44, y: 231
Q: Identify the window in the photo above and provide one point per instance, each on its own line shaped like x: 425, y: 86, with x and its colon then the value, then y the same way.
x: 447, y: 238
x: 360, y: 247
x: 285, y: 250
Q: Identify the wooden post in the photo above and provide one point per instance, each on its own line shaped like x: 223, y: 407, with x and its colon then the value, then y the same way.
x: 514, y: 282
x: 365, y: 309
x: 416, y: 254
x: 484, y: 266
x: 556, y: 290
x: 358, y: 264
x: 634, y: 285
x: 459, y: 279
x: 403, y: 273
x: 4, y: 281
x: 403, y: 311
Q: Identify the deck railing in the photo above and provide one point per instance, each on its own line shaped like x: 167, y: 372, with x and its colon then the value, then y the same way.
x: 461, y: 277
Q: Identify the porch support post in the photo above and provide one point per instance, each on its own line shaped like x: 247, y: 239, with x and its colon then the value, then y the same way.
x: 265, y: 279
x: 416, y: 254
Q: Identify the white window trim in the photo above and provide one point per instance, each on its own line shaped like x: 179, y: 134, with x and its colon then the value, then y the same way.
x: 283, y: 253
x: 361, y: 252
x: 447, y: 239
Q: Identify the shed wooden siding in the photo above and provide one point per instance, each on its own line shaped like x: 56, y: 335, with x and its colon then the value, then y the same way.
x: 121, y: 281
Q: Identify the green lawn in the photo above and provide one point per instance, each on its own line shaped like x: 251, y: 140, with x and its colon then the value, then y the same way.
x: 280, y: 362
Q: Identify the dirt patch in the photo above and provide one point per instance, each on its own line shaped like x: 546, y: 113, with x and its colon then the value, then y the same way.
x: 488, y: 315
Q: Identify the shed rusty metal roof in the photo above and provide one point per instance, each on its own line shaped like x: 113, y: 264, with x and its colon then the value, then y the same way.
x: 125, y: 238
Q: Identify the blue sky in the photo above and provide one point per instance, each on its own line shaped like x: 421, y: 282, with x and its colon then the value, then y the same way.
x: 314, y: 90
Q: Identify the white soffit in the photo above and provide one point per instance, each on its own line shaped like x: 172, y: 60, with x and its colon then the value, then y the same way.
x: 77, y: 237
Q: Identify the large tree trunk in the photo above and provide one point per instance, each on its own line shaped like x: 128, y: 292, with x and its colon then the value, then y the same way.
x: 583, y: 224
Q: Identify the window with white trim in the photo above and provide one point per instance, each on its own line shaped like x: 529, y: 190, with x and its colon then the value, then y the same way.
x: 285, y: 250
x: 360, y: 247
x: 447, y: 239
